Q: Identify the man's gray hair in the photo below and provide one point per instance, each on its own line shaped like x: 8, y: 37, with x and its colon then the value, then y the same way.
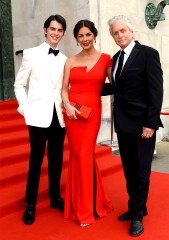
x: 120, y: 17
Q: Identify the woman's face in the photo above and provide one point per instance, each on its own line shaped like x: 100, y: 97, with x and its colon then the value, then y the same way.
x: 85, y: 38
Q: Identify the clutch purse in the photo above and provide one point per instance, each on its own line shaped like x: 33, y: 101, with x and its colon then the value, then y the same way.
x: 85, y: 111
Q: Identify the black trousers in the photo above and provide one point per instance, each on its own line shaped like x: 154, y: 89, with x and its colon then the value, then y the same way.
x: 40, y: 138
x: 136, y: 154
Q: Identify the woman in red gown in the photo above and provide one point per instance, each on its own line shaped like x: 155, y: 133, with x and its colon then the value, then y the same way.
x: 84, y: 77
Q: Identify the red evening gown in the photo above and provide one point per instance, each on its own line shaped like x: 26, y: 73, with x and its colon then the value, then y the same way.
x: 85, y: 196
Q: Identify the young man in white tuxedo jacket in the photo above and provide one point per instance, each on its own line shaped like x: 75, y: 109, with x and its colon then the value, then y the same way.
x: 37, y: 88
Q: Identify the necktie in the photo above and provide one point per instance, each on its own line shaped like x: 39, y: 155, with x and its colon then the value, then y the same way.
x: 55, y: 52
x: 120, y: 65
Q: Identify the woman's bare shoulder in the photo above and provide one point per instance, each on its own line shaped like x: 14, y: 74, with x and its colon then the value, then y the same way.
x: 71, y: 61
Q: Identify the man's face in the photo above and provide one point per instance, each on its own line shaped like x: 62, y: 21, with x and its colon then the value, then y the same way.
x: 54, y: 33
x: 121, y: 33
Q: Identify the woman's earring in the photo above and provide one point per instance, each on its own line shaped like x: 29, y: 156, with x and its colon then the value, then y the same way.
x: 95, y: 41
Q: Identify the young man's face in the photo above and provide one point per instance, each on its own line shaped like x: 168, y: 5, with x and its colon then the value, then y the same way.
x: 54, y: 33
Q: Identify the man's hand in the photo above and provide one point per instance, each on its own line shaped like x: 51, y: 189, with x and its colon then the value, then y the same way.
x: 147, y: 132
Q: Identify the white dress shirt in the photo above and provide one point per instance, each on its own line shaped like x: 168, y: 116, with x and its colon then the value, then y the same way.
x: 127, y: 52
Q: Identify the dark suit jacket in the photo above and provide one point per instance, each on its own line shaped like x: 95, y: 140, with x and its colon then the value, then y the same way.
x: 138, y: 92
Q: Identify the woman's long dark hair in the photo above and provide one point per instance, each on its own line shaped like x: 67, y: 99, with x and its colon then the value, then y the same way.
x: 85, y: 23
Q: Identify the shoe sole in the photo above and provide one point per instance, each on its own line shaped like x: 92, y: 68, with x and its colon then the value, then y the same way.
x: 28, y: 223
x: 62, y: 210
x: 136, y: 235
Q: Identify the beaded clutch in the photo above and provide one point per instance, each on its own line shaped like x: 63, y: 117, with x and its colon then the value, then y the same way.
x: 85, y: 111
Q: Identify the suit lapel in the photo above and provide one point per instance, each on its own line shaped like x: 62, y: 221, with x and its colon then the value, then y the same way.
x: 48, y: 69
x: 52, y: 69
x: 115, y: 57
x: 44, y: 60
x: 130, y: 59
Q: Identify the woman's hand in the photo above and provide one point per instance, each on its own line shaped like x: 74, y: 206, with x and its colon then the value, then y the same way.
x: 71, y: 111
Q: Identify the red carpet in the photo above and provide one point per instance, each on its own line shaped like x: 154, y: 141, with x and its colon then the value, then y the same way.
x: 50, y: 224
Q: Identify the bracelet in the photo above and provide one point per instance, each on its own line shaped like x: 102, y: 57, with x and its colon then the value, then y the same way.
x: 65, y: 103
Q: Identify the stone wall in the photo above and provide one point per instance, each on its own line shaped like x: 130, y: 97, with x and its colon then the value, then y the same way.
x: 29, y: 16
x: 157, y: 38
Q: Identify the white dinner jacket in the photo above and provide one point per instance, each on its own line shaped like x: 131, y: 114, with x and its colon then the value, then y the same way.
x: 38, y: 86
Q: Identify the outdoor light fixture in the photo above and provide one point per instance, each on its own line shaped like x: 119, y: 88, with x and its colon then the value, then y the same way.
x: 154, y: 14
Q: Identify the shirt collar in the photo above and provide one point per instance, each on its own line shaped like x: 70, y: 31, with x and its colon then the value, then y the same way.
x: 47, y: 46
x: 129, y: 48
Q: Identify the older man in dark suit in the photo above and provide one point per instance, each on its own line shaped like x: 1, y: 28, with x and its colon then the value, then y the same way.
x: 138, y: 93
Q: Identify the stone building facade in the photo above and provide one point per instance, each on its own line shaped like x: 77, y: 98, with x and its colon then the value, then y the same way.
x: 28, y: 17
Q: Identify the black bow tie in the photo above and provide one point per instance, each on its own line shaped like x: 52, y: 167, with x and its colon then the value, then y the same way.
x: 55, y: 52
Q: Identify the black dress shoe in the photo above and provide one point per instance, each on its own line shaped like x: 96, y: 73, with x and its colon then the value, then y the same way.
x: 29, y: 214
x: 126, y: 216
x: 136, y: 228
x: 59, y: 203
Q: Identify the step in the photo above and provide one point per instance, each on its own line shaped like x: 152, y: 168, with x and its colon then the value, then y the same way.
x: 114, y: 162
x: 14, y: 163
x: 16, y: 173
x: 17, y: 138
x: 8, y: 104
x: 13, y: 201
x: 13, y: 197
x: 14, y: 155
x: 19, y: 153
x: 13, y: 174
x: 9, y: 114
x: 12, y: 125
